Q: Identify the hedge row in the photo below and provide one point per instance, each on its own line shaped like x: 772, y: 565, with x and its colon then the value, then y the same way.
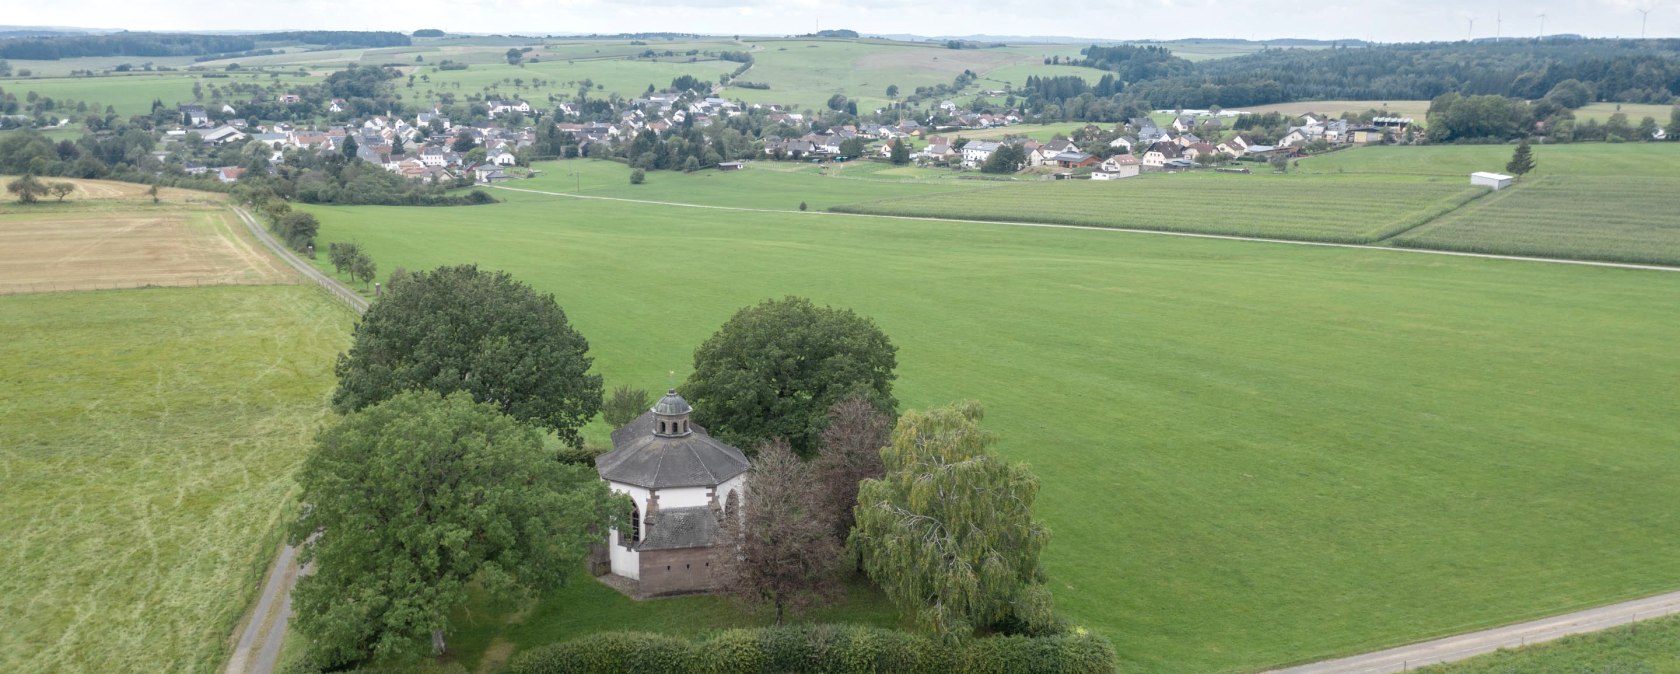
x: 824, y: 649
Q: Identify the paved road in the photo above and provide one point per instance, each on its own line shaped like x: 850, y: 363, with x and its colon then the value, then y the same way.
x: 269, y: 623
x: 1464, y: 646
x: 1224, y: 237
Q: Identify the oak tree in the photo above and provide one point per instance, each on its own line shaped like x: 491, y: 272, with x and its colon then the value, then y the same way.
x: 775, y: 368
x: 408, y: 502
x: 483, y: 332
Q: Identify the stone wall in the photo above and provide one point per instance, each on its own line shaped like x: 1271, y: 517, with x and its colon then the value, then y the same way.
x: 680, y: 571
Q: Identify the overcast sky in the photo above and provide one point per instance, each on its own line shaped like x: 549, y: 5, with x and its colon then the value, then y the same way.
x: 1380, y: 20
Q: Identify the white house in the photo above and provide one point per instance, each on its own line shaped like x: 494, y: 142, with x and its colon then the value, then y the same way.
x: 977, y: 152
x: 1497, y: 181
x: 681, y: 483
x: 1117, y: 167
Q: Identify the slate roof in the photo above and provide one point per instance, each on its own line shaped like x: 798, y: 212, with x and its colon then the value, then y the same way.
x: 673, y: 528
x: 651, y: 461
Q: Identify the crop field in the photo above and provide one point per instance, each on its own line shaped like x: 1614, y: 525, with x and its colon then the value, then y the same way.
x: 1624, y: 219
x: 1251, y: 454
x: 1413, y: 109
x: 147, y: 452
x: 106, y: 235
x: 1575, y: 159
x: 808, y: 72
x: 1353, y: 209
x: 1645, y: 648
x: 131, y: 94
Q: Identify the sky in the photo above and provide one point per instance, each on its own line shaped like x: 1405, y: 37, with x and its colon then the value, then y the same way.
x: 1376, y: 20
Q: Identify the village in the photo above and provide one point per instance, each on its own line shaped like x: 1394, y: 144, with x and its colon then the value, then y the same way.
x: 430, y: 148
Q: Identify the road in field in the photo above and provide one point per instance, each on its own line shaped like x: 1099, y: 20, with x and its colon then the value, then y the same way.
x: 269, y: 622
x: 1463, y: 646
x: 1223, y: 237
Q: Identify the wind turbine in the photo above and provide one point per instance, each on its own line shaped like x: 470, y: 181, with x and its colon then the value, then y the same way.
x: 1498, y: 25
x: 1644, y: 14
x: 1542, y: 26
x: 1468, y: 32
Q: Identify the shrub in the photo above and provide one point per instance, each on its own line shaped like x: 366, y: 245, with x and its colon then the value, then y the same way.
x: 831, y: 649
x: 637, y: 176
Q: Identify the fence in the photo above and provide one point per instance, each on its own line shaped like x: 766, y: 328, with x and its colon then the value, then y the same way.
x: 327, y: 283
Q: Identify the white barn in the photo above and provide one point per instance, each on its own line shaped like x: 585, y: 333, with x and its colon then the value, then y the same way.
x: 1497, y: 181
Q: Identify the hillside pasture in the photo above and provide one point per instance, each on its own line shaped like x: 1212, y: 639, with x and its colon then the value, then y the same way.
x: 1620, y: 218
x: 1574, y: 159
x: 1351, y: 209
x: 766, y: 185
x: 107, y: 236
x: 1634, y: 112
x: 1250, y: 454
x: 149, y: 441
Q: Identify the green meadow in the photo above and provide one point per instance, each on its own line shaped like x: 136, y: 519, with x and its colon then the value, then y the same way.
x: 766, y: 185
x: 1251, y: 454
x: 147, y: 452
x: 1645, y: 648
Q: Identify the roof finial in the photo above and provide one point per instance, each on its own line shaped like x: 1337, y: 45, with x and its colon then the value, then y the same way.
x: 671, y: 379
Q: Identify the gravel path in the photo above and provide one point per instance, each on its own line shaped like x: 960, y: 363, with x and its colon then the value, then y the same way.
x: 1451, y: 649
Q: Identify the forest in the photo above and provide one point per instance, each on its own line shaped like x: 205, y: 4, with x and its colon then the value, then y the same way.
x: 1619, y: 70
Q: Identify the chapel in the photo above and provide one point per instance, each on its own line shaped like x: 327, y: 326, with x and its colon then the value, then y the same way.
x: 682, y: 482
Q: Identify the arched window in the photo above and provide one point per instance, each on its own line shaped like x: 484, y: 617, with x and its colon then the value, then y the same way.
x: 635, y: 523
x: 661, y: 427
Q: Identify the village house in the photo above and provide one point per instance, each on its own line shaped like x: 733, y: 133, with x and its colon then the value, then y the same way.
x: 976, y: 152
x: 1117, y: 167
x: 1157, y: 156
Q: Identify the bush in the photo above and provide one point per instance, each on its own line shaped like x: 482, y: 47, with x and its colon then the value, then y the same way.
x: 637, y: 176
x: 832, y: 649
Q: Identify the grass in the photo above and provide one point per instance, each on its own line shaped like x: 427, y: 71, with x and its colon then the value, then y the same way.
x: 1459, y: 161
x: 1624, y: 219
x: 488, y: 633
x: 1353, y: 209
x: 1634, y: 112
x: 1646, y: 648
x: 1251, y: 454
x: 767, y: 185
x: 148, y: 447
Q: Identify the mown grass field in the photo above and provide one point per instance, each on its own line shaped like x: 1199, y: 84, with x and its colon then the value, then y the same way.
x: 1352, y: 209
x: 1413, y: 109
x: 1646, y: 648
x: 1251, y: 454
x: 146, y: 454
x: 768, y: 185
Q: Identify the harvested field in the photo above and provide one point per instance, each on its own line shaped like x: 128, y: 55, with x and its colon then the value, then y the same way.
x: 79, y: 249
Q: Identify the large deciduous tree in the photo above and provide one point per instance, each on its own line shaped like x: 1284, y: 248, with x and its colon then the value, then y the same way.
x: 779, y: 550
x: 948, y: 533
x: 775, y: 368
x: 483, y: 332
x: 409, y: 501
x: 849, y: 453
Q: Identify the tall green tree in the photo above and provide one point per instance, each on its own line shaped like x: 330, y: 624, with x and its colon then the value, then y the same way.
x: 775, y: 368
x: 408, y: 502
x: 948, y: 533
x: 483, y: 332
x: 1008, y: 158
x: 1674, y: 124
x: 1522, y: 160
x: 624, y: 405
x: 900, y: 153
x: 349, y: 147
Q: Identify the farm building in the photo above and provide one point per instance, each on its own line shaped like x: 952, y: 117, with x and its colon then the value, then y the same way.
x: 682, y: 483
x: 731, y: 165
x: 1497, y: 181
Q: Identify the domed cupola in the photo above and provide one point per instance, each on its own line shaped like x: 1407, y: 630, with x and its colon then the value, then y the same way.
x: 670, y: 416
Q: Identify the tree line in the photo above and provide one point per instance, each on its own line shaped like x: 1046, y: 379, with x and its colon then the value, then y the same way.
x: 58, y: 47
